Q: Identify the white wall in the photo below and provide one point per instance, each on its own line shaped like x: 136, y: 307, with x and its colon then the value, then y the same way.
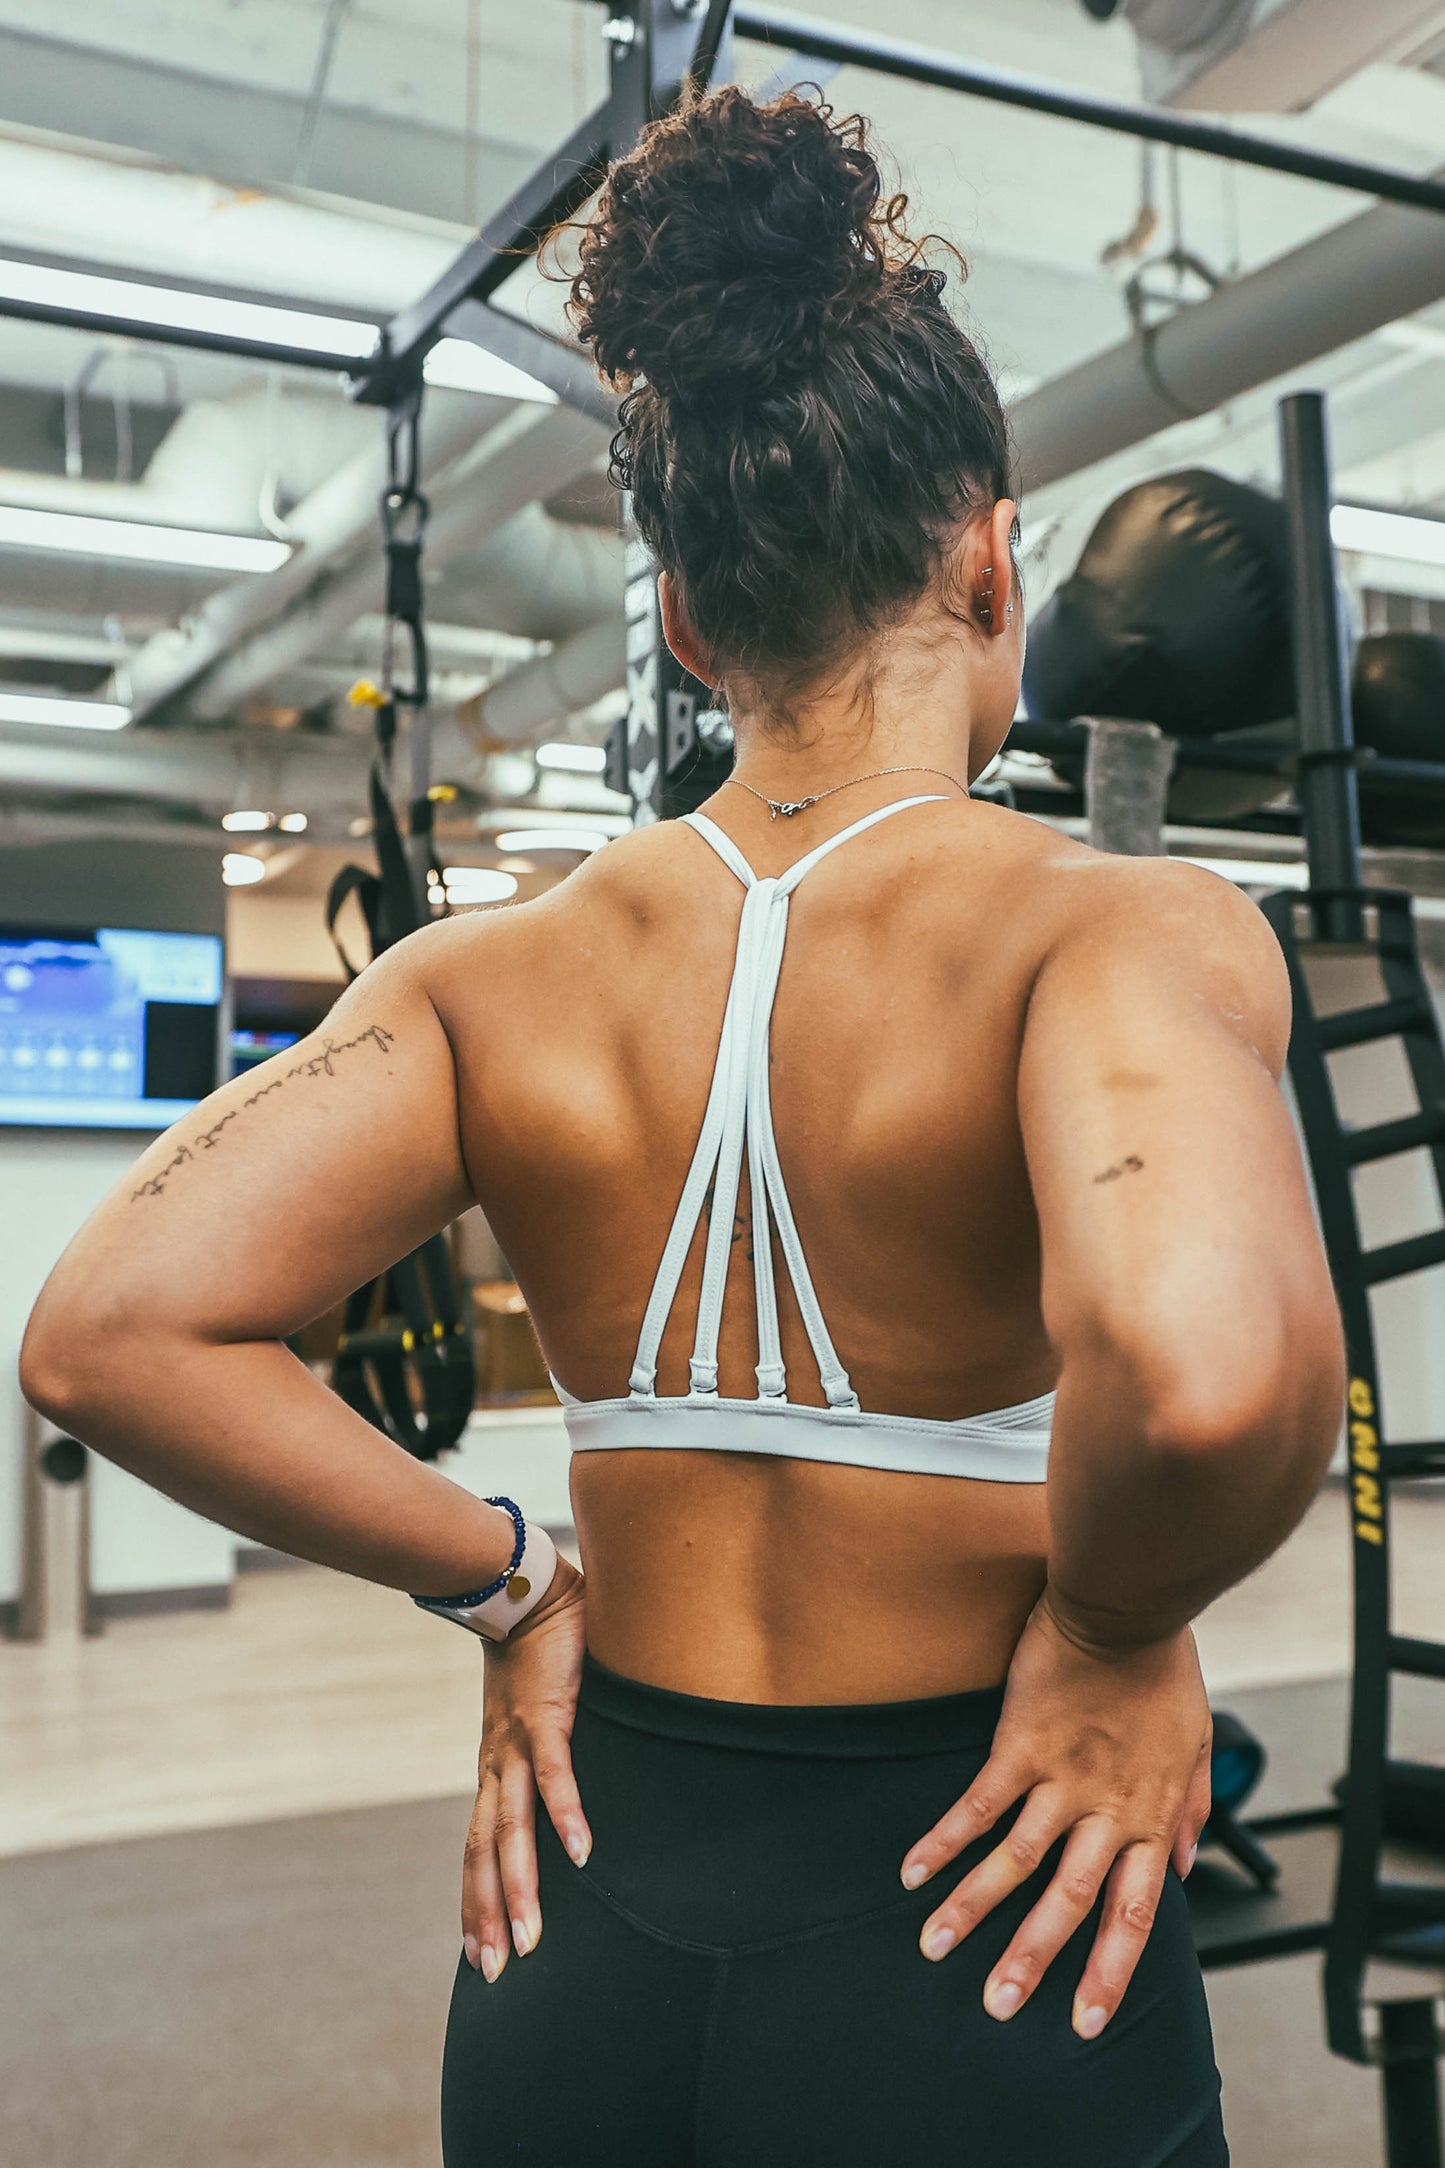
x: 285, y: 937
x: 50, y: 1179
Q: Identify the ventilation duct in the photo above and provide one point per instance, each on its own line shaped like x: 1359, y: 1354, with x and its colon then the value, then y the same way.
x: 1264, y: 56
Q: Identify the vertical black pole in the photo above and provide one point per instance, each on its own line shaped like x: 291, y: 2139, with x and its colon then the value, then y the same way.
x: 641, y: 727
x: 674, y: 748
x: 659, y: 48
x: 1409, y: 2046
x: 1328, y: 789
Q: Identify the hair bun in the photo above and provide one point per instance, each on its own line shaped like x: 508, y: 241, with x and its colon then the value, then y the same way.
x: 730, y: 247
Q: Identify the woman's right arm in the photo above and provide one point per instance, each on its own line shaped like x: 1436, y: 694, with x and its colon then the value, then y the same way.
x: 1200, y: 1399
x: 1184, y: 1285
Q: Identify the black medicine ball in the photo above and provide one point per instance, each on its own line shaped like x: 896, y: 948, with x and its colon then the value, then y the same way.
x: 1178, y: 613
x: 1399, y: 703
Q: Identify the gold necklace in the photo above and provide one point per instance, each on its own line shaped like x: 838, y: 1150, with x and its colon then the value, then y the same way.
x: 789, y: 806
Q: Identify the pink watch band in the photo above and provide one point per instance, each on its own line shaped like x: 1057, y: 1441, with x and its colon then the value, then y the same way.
x: 503, y: 1613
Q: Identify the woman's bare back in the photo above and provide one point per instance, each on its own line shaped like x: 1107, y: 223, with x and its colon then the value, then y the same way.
x: 581, y: 1080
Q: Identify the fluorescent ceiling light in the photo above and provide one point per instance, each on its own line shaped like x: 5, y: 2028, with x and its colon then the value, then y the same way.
x: 478, y: 884
x: 240, y: 868
x: 1388, y: 534
x: 452, y: 364
x: 527, y: 840
x: 579, y: 759
x: 460, y: 365
x: 170, y: 307
x: 75, y: 714
x: 22, y: 528
x: 294, y: 824
x: 247, y: 817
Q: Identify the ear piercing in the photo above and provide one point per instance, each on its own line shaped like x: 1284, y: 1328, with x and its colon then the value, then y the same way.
x: 985, y: 600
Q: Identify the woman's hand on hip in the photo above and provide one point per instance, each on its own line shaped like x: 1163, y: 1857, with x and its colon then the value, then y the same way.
x: 529, y: 1704
x: 1109, y: 1752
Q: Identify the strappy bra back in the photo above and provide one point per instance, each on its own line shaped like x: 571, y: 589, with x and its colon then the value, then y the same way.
x: 1007, y: 1445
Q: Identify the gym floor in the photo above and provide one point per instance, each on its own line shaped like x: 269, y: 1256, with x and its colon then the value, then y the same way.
x: 230, y: 1845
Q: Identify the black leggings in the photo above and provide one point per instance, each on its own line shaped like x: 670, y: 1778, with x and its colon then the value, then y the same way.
x: 734, y: 1979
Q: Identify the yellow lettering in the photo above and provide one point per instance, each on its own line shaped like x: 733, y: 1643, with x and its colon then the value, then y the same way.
x: 1368, y: 1530
x: 1362, y: 1400
x: 1364, y: 1441
x: 1367, y: 1497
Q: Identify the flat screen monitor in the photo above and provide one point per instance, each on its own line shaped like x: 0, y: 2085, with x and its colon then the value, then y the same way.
x: 112, y: 1029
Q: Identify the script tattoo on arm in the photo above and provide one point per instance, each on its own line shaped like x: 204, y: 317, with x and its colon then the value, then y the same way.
x: 1131, y: 1165
x: 206, y: 1140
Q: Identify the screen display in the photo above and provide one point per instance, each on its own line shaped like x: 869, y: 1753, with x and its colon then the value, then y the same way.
x: 250, y: 1047
x: 115, y: 1029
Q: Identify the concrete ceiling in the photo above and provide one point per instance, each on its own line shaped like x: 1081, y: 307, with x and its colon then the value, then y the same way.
x: 337, y: 156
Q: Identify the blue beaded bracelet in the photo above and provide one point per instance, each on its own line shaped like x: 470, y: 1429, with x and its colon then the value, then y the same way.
x: 493, y: 1588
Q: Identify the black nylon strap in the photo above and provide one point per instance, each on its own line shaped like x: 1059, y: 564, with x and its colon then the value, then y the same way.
x: 412, y: 1373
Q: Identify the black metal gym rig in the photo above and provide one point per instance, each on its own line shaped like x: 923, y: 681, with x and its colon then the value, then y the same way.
x: 1372, y: 1917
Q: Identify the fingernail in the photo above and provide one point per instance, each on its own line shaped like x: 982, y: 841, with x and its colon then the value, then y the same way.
x: 939, y: 1942
x: 491, y: 1969
x: 579, y: 1851
x: 1002, y: 2001
x: 522, y: 1936
x: 1193, y: 1855
x: 469, y: 1944
x: 915, y: 1876
x: 1090, y: 2023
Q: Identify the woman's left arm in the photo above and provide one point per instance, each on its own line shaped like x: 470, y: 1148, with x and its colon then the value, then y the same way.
x: 158, y: 1337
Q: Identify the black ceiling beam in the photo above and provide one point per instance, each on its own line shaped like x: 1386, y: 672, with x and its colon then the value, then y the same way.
x: 562, y: 368
x: 558, y: 188
x: 658, y: 50
x: 1009, y: 86
x: 202, y: 342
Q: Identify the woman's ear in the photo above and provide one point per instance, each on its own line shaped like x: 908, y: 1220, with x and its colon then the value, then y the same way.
x: 1005, y: 520
x: 677, y: 630
x: 995, y: 599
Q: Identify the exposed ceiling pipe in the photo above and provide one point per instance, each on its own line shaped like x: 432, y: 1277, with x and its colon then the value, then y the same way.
x: 578, y: 671
x: 320, y: 776
x: 138, y: 213
x: 536, y: 575
x: 1345, y: 284
x: 334, y: 523
x: 535, y: 451
x: 212, y: 464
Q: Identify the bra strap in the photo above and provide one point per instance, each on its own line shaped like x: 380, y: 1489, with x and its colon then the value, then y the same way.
x: 756, y: 951
x: 724, y: 845
x: 689, y: 1206
x: 739, y: 1117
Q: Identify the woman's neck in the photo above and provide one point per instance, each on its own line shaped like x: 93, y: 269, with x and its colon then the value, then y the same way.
x: 880, y: 715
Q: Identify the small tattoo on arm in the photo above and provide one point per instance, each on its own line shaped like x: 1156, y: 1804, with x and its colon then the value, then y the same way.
x: 1131, y: 1165
x: 206, y: 1140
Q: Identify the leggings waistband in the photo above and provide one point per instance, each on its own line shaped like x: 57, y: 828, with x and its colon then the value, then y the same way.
x: 847, y: 1731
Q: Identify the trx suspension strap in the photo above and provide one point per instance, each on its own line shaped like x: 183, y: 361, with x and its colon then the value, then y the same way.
x: 405, y: 1358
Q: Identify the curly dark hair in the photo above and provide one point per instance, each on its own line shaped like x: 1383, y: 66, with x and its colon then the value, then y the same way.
x: 804, y: 424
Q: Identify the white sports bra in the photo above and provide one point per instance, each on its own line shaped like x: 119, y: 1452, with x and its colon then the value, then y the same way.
x: 1007, y: 1445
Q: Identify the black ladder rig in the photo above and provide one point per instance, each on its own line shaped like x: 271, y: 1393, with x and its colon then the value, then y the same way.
x: 1374, y: 1917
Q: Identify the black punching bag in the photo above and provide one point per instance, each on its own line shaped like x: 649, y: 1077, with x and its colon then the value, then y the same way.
x: 1399, y: 704
x: 1177, y: 614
